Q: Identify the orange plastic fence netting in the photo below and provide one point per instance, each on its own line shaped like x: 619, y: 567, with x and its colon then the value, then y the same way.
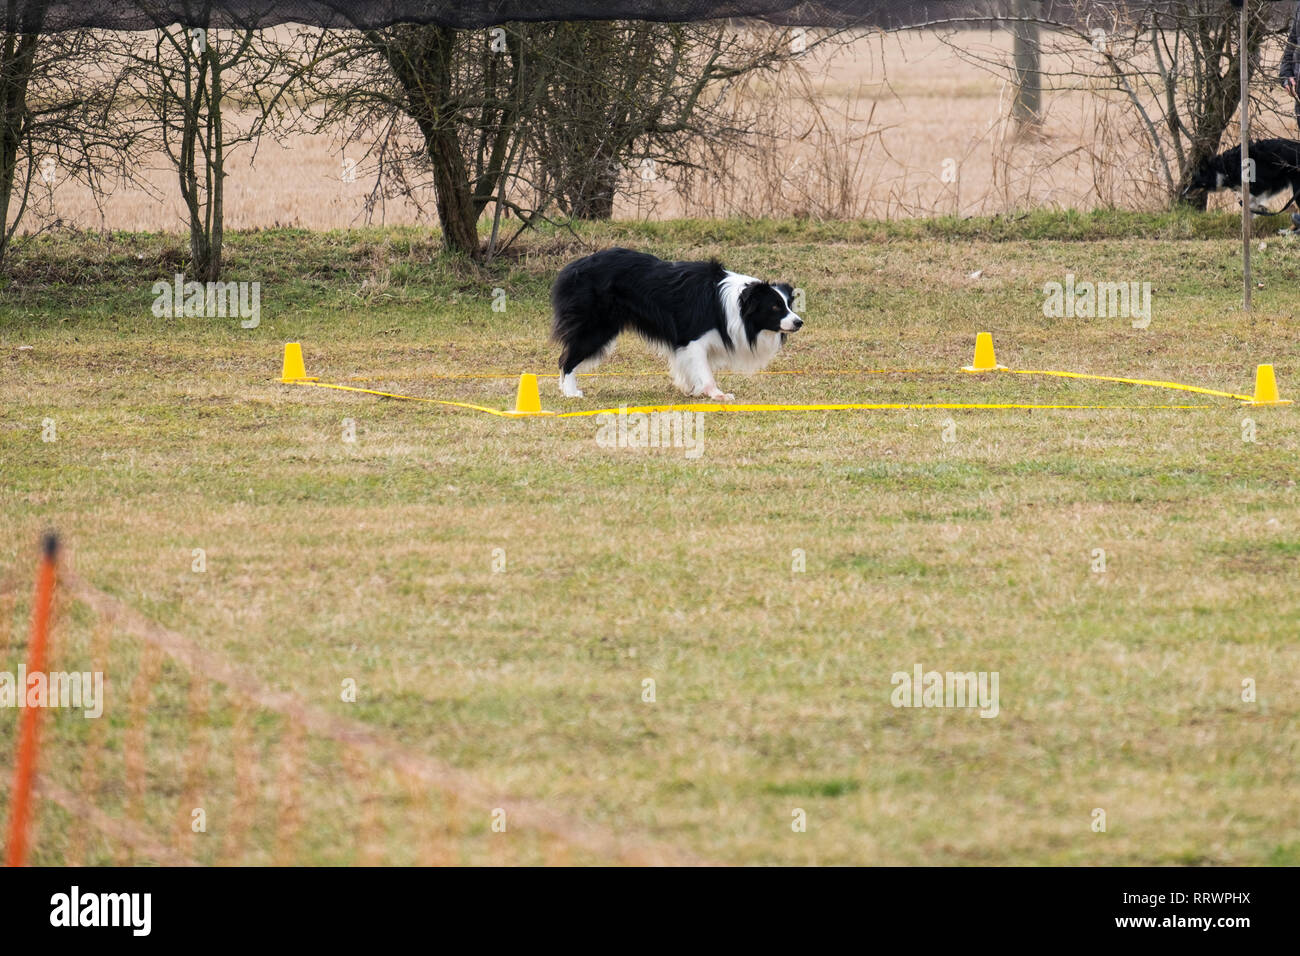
x: 25, y: 764
x: 276, y: 777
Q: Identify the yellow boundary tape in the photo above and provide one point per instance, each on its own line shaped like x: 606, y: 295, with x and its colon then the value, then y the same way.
x: 824, y: 371
x: 1132, y: 381
x: 734, y: 407
x: 405, y: 398
x: 847, y: 406
x: 295, y: 374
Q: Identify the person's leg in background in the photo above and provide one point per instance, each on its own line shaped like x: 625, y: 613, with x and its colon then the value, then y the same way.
x: 1295, y: 216
x: 1287, y: 71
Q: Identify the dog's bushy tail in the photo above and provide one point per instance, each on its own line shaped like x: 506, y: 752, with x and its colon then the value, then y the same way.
x: 566, y: 312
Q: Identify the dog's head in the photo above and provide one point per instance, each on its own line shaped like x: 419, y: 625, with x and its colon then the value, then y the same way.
x: 1214, y: 173
x: 766, y: 307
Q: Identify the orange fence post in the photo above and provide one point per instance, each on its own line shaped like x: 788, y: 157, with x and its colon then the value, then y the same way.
x: 25, y: 765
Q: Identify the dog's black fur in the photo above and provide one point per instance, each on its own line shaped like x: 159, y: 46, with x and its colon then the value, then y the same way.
x: 698, y: 313
x: 1277, y: 172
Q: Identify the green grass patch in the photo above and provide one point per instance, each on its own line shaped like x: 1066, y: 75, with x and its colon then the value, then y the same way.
x: 500, y: 590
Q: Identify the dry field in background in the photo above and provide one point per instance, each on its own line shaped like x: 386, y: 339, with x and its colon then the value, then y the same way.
x: 892, y: 110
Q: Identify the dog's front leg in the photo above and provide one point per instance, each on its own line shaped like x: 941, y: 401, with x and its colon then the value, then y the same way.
x: 717, y: 394
x: 708, y: 387
x: 693, y: 375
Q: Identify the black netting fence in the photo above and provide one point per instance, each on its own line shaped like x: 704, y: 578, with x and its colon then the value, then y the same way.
x: 43, y: 15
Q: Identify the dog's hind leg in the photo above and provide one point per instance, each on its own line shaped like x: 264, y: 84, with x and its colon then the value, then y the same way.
x: 581, y: 355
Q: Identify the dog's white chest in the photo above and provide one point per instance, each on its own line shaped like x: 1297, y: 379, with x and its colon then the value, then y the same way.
x: 743, y: 356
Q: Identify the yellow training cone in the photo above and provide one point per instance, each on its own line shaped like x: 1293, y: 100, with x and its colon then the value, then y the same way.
x: 528, y: 400
x: 294, y: 370
x: 984, y: 360
x: 1266, y: 388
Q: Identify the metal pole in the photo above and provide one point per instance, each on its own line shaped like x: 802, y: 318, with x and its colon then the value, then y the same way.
x: 1242, y: 52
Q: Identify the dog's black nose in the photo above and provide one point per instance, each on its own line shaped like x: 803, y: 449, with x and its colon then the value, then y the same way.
x: 798, y: 323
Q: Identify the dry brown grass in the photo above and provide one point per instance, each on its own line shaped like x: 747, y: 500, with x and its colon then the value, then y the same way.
x: 864, y: 135
x: 373, y: 560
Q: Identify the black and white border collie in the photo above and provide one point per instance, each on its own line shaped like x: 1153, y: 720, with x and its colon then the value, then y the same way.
x: 699, y: 315
x: 1277, y: 173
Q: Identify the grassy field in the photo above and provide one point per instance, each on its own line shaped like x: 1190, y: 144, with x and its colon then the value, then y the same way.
x: 1119, y: 690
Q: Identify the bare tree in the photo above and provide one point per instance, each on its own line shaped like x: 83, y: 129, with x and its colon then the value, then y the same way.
x: 184, y: 78
x: 646, y: 96
x: 459, y: 93
x: 534, y: 120
x: 1174, y: 63
x: 1027, y: 109
x: 57, y: 97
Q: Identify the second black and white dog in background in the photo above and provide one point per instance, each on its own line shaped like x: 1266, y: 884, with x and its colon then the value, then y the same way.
x: 1277, y: 173
x: 699, y: 315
